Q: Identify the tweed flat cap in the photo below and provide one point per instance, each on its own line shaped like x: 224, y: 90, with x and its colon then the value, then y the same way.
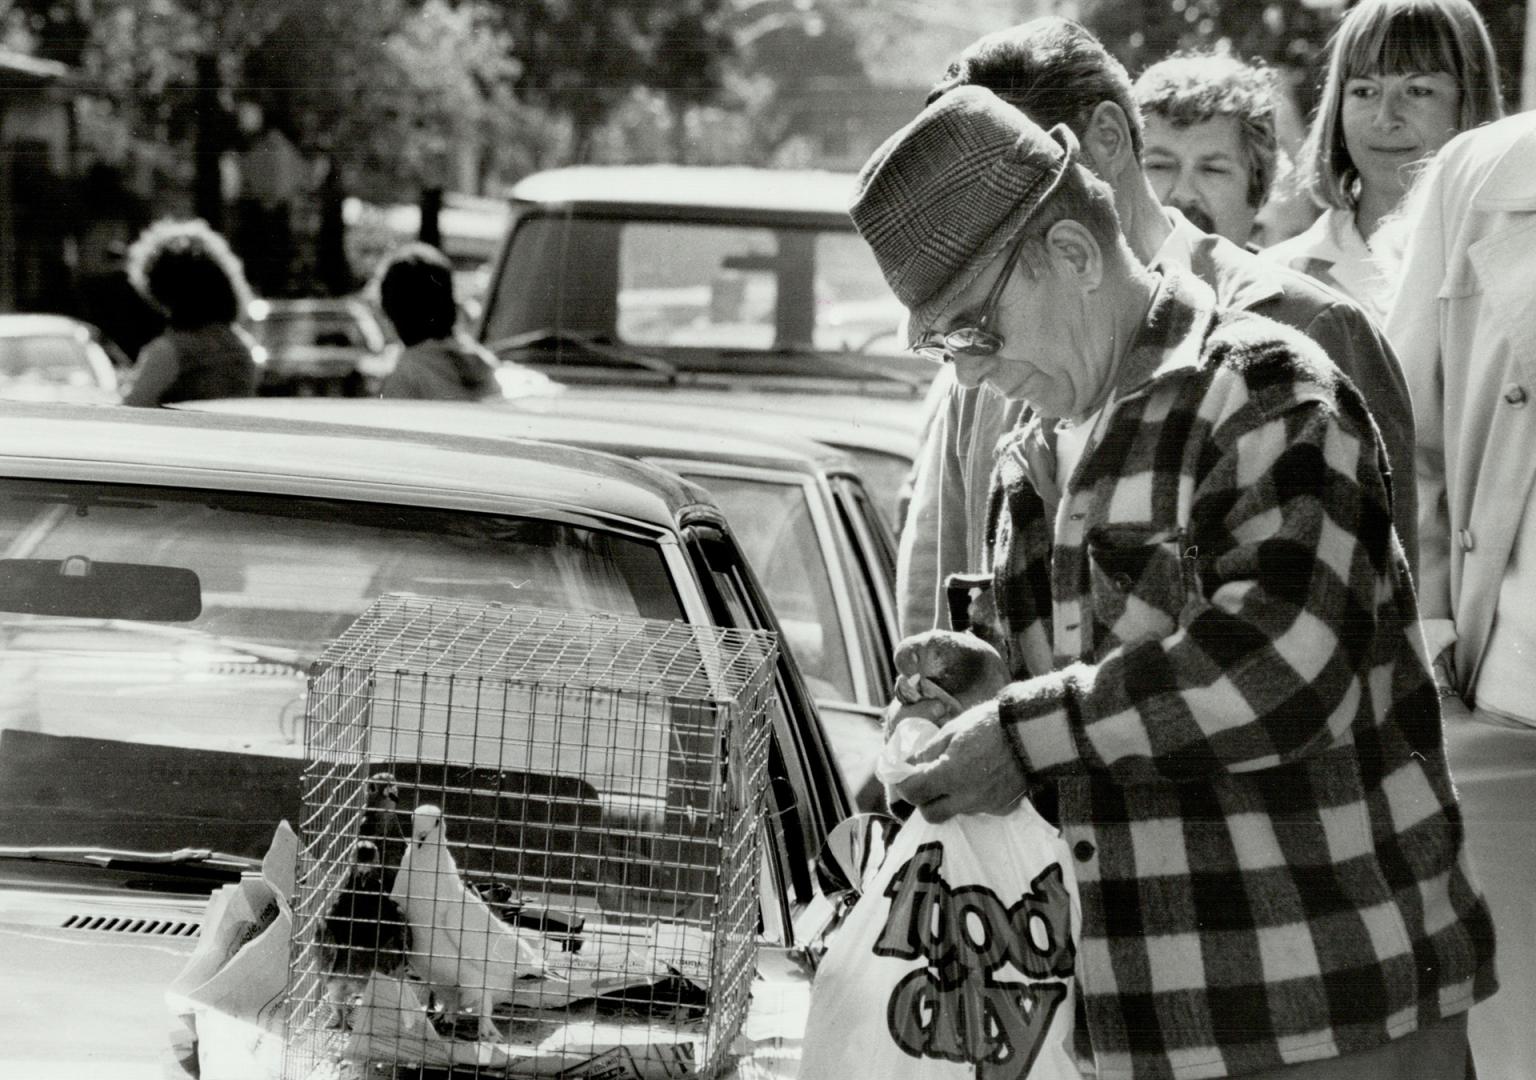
x: 944, y: 196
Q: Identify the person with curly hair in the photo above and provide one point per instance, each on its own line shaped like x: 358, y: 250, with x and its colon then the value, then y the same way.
x: 1210, y: 149
x: 189, y: 272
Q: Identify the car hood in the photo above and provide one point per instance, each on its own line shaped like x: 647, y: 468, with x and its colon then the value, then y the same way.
x: 84, y: 983
x: 84, y: 979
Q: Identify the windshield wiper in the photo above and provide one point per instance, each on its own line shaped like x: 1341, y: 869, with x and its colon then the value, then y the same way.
x: 549, y: 338
x: 183, y: 862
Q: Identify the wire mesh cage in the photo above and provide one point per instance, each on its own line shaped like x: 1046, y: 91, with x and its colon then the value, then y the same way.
x: 530, y: 844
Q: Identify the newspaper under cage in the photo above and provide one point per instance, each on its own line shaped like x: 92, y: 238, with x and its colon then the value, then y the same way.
x: 530, y: 844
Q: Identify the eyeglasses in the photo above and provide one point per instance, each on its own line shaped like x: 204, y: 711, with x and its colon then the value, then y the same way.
x: 975, y: 339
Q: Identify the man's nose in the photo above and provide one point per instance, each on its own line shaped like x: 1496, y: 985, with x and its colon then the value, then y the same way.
x: 971, y: 370
x: 1183, y: 192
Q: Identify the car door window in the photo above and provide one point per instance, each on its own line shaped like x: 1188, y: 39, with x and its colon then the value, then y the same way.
x: 774, y: 522
x: 806, y: 797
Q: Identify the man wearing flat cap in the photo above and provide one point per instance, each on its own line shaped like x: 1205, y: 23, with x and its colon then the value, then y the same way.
x: 1055, y: 71
x: 1219, y: 686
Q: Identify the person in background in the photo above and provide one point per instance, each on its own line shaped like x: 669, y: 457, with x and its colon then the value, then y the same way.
x: 1463, y: 320
x: 1209, y: 147
x: 1404, y: 76
x: 1056, y: 72
x: 1235, y: 720
x: 189, y: 272
x: 416, y: 293
x: 1289, y: 210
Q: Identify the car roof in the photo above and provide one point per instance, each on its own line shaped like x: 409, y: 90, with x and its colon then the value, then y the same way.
x: 878, y: 425
x: 740, y: 189
x: 660, y: 429
x: 43, y: 326
x: 264, y: 452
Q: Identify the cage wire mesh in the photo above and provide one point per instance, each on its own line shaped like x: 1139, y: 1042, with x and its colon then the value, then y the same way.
x: 529, y: 845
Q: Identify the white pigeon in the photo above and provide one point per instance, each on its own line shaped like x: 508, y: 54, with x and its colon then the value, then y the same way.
x: 458, y: 946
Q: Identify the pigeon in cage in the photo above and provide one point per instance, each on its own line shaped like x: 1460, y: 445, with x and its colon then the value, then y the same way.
x: 459, y: 948
x: 363, y: 931
x: 381, y: 823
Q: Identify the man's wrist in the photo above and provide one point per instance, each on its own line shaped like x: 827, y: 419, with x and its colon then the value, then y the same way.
x: 1011, y: 734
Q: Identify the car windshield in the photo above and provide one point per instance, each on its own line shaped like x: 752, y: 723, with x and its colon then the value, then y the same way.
x: 56, y: 360
x: 126, y: 724
x: 772, y: 521
x: 696, y: 285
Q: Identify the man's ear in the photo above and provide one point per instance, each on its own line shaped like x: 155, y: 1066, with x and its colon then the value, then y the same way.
x: 1076, y: 253
x: 1106, y: 141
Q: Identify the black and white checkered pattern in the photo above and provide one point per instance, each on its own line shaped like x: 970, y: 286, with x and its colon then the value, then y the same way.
x: 1240, y: 727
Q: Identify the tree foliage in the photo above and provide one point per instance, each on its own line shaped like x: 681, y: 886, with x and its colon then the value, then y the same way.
x: 584, y: 59
x: 390, y: 91
x: 1289, y: 34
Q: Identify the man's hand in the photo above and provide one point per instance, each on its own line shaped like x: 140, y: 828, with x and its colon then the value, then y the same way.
x: 960, y: 664
x: 969, y: 768
x: 934, y: 709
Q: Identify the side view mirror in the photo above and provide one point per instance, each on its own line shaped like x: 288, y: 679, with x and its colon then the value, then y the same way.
x: 854, y: 850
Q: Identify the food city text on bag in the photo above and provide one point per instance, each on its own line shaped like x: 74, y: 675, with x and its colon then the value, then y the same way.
x: 958, y: 958
x: 955, y: 1007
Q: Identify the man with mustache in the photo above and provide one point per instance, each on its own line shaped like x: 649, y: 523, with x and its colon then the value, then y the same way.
x: 1209, y: 139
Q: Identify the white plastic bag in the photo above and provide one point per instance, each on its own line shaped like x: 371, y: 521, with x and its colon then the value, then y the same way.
x: 230, y: 993
x: 958, y: 959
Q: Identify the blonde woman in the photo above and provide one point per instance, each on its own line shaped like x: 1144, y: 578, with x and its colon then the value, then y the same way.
x: 1404, y: 78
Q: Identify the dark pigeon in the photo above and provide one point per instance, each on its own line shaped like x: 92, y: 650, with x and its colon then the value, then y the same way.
x: 381, y: 824
x: 363, y: 931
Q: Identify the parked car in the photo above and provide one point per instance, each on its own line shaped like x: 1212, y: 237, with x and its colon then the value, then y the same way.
x: 799, y: 510
x: 317, y: 346
x: 150, y: 744
x: 702, y: 280
x: 55, y: 358
x: 883, y: 445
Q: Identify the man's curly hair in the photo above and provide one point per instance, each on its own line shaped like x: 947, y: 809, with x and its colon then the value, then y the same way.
x: 189, y: 272
x: 1194, y: 87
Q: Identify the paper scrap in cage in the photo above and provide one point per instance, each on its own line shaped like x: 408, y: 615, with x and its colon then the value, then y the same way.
x: 530, y: 839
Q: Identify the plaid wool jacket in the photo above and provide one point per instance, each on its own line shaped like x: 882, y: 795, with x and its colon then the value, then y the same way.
x: 1221, y: 674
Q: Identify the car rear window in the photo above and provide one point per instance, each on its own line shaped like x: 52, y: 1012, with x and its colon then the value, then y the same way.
x: 215, y: 703
x: 336, y: 329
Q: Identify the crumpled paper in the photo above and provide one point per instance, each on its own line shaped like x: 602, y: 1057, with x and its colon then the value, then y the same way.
x: 229, y: 996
